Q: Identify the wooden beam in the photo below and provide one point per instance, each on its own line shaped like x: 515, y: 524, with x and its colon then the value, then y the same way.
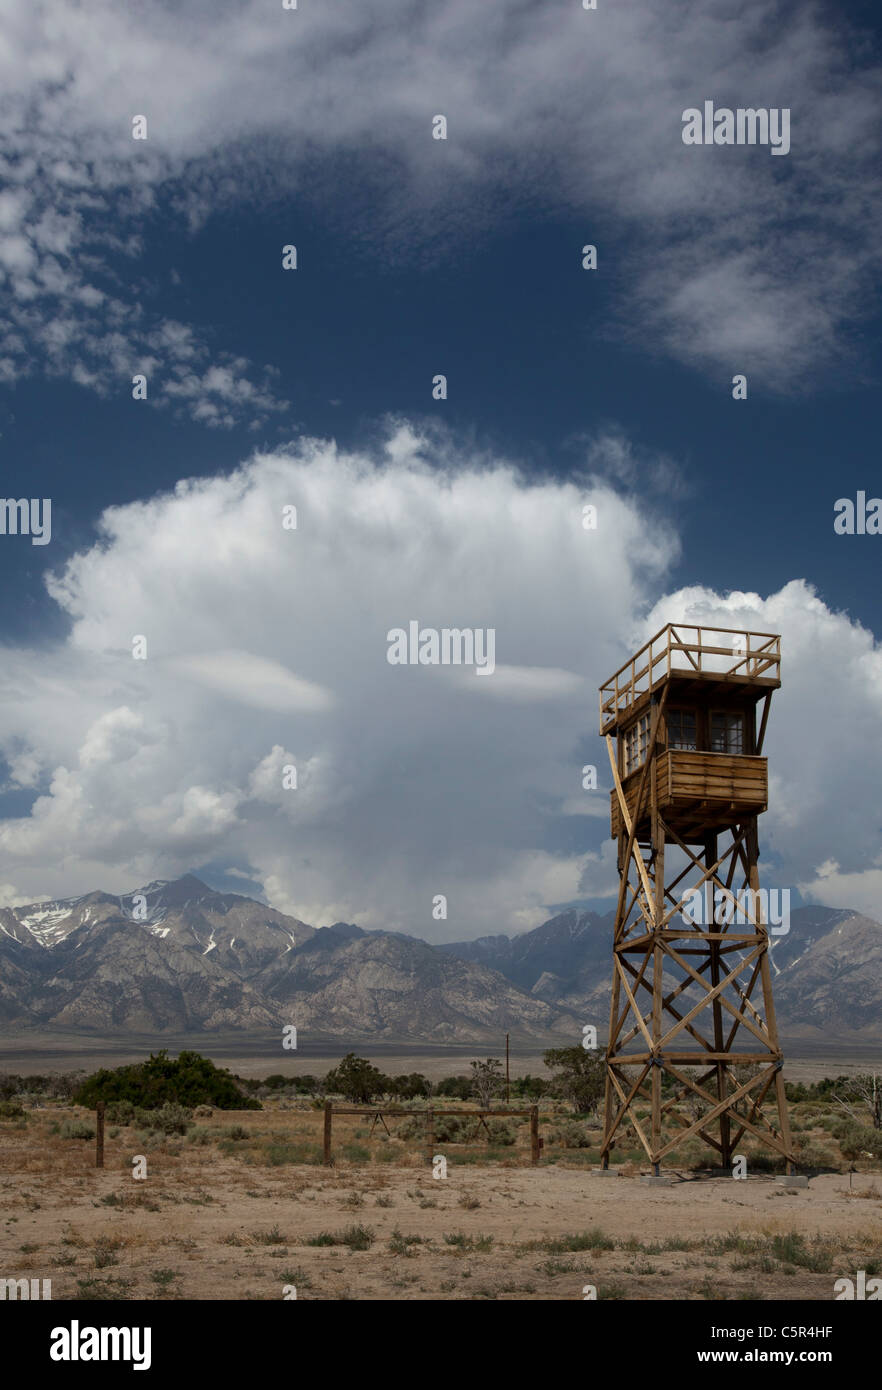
x: 607, y: 1138
x: 638, y: 1016
x: 717, y: 1109
x: 633, y: 1118
x: 626, y: 819
x: 710, y: 990
x: 326, y: 1152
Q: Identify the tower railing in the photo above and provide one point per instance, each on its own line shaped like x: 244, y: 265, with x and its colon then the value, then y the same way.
x: 685, y: 648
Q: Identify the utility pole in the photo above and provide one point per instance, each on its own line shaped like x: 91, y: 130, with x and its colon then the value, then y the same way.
x: 507, y: 1074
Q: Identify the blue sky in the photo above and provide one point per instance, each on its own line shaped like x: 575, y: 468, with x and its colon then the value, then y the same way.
x: 418, y: 257
x: 523, y: 334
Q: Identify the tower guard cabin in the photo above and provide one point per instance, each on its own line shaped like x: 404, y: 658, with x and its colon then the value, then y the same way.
x: 692, y: 1016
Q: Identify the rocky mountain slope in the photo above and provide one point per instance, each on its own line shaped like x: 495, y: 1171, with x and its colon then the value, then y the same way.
x: 566, y: 961
x: 827, y: 970
x: 177, y: 957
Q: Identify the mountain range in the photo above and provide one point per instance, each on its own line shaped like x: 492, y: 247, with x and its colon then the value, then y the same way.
x: 826, y: 971
x: 177, y: 957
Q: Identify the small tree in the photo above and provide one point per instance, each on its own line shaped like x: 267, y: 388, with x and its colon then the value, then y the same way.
x: 459, y: 1087
x: 356, y: 1079
x: 861, y: 1098
x: 409, y: 1087
x: 579, y: 1076
x: 530, y: 1087
x: 486, y: 1080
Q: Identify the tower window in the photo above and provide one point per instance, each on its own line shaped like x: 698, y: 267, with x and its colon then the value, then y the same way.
x: 681, y: 729
x: 636, y: 742
x: 727, y: 733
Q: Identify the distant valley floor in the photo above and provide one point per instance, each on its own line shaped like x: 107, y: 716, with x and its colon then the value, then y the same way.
x: 44, y: 1050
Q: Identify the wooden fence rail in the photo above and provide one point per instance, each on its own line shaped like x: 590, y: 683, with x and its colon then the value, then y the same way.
x: 377, y: 1112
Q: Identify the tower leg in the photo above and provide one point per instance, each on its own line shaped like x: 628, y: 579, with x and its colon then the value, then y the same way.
x: 614, y: 1005
x: 658, y: 912
x: 710, y: 858
x: 752, y: 842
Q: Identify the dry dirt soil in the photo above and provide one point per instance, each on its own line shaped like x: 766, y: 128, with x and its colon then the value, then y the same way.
x: 215, y: 1220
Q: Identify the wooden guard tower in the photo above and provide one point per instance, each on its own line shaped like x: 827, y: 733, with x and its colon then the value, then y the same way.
x: 685, y: 734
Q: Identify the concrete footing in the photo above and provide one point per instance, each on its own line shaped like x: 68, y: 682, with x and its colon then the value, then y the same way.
x: 795, y: 1180
x: 606, y: 1172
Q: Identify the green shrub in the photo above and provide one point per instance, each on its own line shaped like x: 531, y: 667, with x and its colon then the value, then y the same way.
x: 450, y: 1129
x: 461, y: 1241
x: 77, y: 1129
x: 169, y: 1118
x: 809, y: 1155
x: 856, y: 1141
x: 188, y: 1080
x: 413, y: 1127
x: 356, y: 1153
x: 502, y: 1132
x: 55, y: 1087
x: 120, y: 1112
x: 399, y: 1244
x: 280, y: 1152
x: 271, y: 1237
x: 571, y: 1135
x: 113, y: 1288
x: 455, y: 1087
x: 584, y: 1240
x: 11, y: 1110
x: 105, y: 1251
x: 793, y: 1249
x: 356, y: 1237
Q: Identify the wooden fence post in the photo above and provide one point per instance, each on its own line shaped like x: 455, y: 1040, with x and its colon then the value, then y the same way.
x: 327, y: 1149
x: 535, y: 1144
x: 99, y: 1135
x: 430, y: 1134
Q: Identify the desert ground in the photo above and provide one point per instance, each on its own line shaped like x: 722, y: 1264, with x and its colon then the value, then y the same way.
x: 242, y: 1208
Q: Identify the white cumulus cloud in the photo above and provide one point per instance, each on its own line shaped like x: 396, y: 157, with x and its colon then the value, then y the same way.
x: 267, y: 648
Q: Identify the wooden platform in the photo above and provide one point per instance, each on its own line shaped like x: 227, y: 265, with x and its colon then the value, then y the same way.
x: 710, y: 791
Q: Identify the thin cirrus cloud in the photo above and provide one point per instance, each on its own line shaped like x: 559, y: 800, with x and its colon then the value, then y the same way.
x: 579, y: 112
